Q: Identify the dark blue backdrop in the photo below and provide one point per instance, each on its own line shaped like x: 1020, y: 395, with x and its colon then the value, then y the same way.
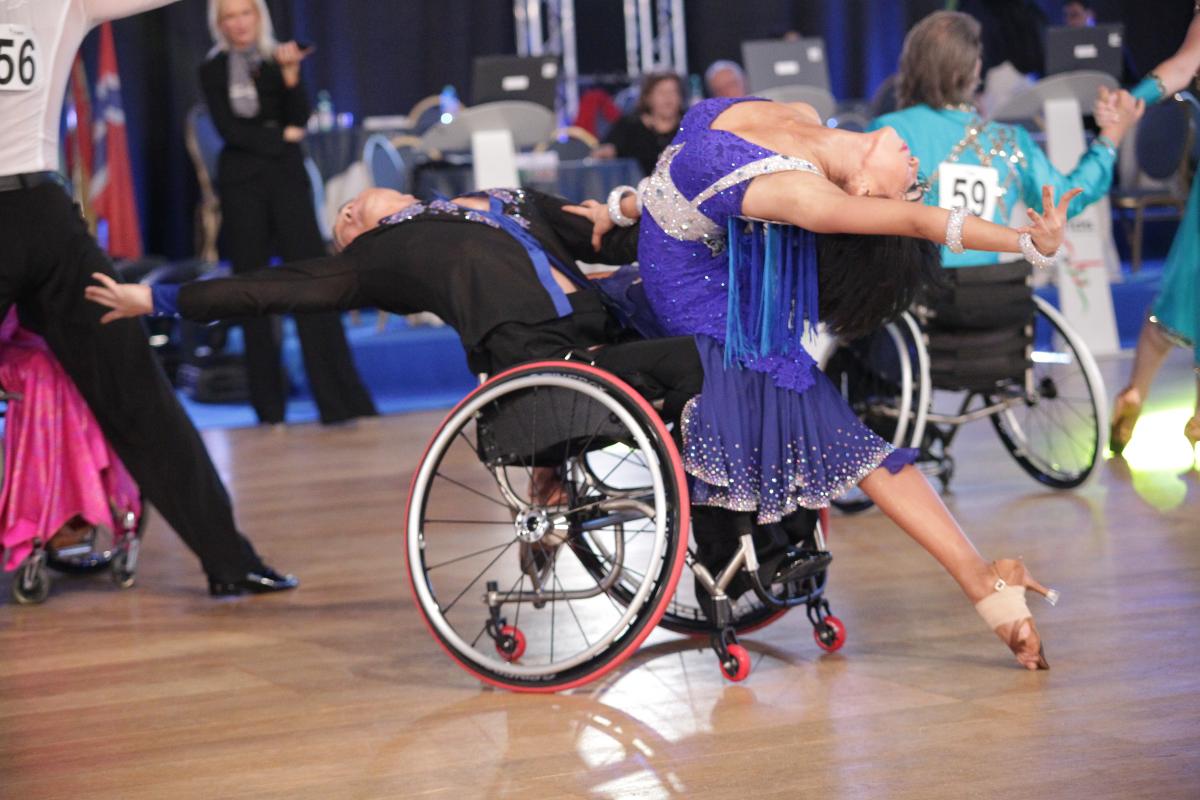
x: 381, y: 56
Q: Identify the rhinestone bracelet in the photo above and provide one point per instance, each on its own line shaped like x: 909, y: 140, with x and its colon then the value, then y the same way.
x: 1035, y: 256
x: 614, y: 206
x: 954, y: 229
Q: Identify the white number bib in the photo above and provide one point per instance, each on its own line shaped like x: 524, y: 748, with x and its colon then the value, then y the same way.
x: 20, y: 59
x: 975, y: 188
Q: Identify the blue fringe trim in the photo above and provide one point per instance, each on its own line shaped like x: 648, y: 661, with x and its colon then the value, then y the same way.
x: 773, y: 287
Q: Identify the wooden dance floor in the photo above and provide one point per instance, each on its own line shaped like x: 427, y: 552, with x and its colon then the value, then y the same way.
x: 337, y: 690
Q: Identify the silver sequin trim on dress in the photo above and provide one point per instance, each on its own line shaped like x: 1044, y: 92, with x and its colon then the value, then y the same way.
x: 681, y: 218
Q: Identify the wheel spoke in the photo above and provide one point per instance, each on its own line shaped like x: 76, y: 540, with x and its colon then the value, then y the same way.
x: 571, y: 608
x: 624, y: 458
x: 475, y: 580
x: 468, y: 555
x: 460, y: 484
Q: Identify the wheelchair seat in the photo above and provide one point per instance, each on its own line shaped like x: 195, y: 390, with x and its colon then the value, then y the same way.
x: 978, y: 327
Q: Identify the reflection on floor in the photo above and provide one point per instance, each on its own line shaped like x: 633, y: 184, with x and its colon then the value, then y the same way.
x: 338, y: 691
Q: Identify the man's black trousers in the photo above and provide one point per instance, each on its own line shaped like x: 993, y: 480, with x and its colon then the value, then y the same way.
x: 46, y: 259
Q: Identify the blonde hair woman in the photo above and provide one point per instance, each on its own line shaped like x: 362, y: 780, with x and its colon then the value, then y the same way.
x: 252, y: 87
x: 220, y: 16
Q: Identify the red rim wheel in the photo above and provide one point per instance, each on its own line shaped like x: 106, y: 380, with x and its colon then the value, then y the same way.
x: 511, y: 644
x: 830, y: 635
x: 737, y: 666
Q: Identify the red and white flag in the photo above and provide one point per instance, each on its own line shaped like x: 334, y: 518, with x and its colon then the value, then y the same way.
x: 79, y: 138
x: 113, y: 199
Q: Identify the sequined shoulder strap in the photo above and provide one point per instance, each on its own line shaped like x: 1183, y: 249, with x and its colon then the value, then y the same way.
x: 681, y: 218
x: 763, y: 166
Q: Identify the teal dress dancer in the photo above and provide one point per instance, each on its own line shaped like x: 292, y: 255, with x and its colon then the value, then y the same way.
x: 1176, y: 310
x: 958, y: 134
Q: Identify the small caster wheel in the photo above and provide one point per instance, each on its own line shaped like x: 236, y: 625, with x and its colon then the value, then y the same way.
x: 511, y: 644
x: 737, y: 666
x: 830, y: 634
x: 123, y: 574
x: 31, y: 584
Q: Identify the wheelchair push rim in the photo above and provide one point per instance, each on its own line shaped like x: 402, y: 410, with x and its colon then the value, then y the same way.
x: 478, y: 575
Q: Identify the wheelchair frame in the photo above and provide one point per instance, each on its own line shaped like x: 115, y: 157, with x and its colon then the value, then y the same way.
x: 647, y: 521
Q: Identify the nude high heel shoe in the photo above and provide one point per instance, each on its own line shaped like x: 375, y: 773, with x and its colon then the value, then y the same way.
x: 1006, y: 613
x: 1192, y: 431
x: 1126, y: 410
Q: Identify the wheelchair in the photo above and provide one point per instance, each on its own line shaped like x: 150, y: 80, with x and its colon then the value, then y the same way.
x: 99, y: 548
x: 1008, y: 354
x: 549, y: 584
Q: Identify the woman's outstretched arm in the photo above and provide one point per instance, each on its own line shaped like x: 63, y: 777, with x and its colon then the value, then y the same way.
x: 1178, y: 70
x: 103, y: 10
x: 813, y: 203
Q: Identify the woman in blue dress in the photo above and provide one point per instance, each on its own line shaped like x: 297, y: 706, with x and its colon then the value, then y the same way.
x: 769, y: 433
x: 1175, y: 316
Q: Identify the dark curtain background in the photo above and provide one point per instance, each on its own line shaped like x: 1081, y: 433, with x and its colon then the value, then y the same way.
x: 381, y: 56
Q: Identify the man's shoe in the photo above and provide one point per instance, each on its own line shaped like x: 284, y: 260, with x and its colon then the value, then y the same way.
x: 258, y: 581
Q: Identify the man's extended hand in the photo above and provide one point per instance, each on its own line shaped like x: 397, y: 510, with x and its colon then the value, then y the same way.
x: 125, y: 299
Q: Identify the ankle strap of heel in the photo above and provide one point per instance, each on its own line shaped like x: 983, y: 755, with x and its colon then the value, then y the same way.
x: 1006, y: 604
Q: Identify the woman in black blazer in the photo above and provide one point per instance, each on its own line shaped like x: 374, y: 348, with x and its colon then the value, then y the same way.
x: 252, y: 87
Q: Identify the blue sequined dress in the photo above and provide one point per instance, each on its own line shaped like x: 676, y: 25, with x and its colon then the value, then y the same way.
x: 769, y: 432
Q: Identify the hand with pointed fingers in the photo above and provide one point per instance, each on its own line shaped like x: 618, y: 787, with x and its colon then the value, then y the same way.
x: 126, y: 300
x: 1048, y: 228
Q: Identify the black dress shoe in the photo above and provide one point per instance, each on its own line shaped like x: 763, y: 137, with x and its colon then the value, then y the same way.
x: 255, y: 582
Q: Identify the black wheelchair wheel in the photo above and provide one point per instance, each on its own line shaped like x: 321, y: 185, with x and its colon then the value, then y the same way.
x: 1056, y: 428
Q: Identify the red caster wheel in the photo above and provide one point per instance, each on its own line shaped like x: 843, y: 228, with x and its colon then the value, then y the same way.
x: 830, y: 635
x: 737, y: 666
x: 511, y: 644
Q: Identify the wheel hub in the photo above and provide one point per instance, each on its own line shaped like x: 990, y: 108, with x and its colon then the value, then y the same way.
x: 532, y: 524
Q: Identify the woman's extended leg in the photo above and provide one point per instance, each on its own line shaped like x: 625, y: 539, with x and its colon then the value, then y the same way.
x: 908, y: 499
x: 1152, y: 348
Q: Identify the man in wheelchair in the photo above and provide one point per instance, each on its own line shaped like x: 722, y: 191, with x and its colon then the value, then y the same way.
x: 501, y: 268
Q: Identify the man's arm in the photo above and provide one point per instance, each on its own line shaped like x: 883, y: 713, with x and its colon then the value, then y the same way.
x: 104, y: 10
x: 316, y: 284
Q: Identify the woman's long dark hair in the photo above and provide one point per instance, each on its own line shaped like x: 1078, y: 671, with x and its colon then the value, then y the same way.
x: 866, y: 281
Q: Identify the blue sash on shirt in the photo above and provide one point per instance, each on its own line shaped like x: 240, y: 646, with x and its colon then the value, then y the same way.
x: 537, y: 255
